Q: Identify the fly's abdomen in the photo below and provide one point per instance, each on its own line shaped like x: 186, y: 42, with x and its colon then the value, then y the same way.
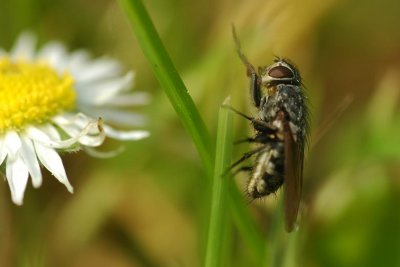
x: 268, y: 173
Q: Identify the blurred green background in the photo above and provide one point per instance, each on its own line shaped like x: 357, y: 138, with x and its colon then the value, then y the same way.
x: 149, y: 205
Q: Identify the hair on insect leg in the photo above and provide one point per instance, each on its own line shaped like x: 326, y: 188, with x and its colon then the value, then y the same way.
x: 249, y: 199
x: 258, y: 200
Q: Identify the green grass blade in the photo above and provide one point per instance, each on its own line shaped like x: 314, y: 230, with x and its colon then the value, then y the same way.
x: 219, y: 198
x: 252, y: 235
x: 169, y: 78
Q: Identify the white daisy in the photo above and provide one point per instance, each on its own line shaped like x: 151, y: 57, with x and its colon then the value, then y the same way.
x: 51, y: 101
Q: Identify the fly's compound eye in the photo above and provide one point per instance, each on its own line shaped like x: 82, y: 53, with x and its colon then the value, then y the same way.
x: 281, y: 72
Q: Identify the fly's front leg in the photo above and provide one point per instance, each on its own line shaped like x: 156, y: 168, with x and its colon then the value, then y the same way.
x: 255, y: 84
x: 255, y: 81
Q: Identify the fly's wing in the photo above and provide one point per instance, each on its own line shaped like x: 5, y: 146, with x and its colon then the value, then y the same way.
x: 293, y: 172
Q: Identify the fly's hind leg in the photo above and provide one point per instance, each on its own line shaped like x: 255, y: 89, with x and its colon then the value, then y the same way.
x: 243, y: 158
x: 243, y: 169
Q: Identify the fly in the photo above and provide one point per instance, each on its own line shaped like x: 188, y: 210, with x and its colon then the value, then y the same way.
x: 281, y: 129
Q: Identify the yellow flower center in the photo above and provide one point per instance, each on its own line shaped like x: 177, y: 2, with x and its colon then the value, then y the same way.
x: 32, y: 93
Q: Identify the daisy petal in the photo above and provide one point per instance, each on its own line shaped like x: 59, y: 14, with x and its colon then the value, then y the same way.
x: 72, y: 119
x: 91, y: 128
x: 120, y: 117
x: 52, y: 161
x: 12, y: 143
x: 54, y: 53
x: 3, y: 53
x: 29, y: 157
x: 125, y: 135
x: 24, y: 47
x: 78, y: 60
x: 96, y: 70
x: 17, y: 176
x: 51, y: 131
x: 3, y: 151
x: 89, y: 136
x: 104, y: 90
x: 129, y: 100
x: 103, y: 154
x: 83, y: 127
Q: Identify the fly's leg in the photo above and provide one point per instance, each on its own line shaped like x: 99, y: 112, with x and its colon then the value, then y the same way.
x: 259, y: 125
x: 262, y: 138
x: 243, y: 158
x: 255, y: 81
x: 243, y: 169
x: 245, y: 140
x: 255, y: 91
x: 263, y: 127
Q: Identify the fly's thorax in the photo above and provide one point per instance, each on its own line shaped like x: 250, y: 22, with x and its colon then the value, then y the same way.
x: 270, y: 105
x: 291, y: 100
x: 295, y: 107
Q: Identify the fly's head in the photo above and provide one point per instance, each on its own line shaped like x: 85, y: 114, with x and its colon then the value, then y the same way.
x: 280, y: 72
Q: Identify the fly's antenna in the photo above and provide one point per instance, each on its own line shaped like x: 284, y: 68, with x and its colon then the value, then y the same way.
x: 277, y: 58
x: 243, y: 58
